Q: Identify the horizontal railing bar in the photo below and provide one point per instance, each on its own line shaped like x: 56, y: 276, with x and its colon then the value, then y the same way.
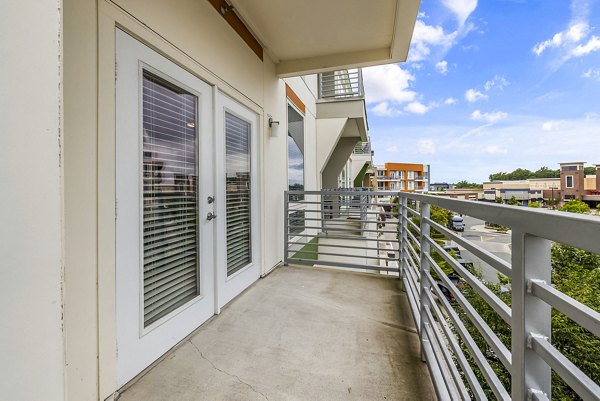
x: 460, y: 391
x: 434, y: 370
x: 413, y: 252
x: 413, y: 238
x: 345, y: 221
x: 414, y: 308
x: 414, y: 280
x: 484, y: 292
x: 537, y: 395
x: 487, y: 371
x: 571, y: 374
x: 580, y: 313
x: 351, y: 230
x: 345, y: 192
x: 458, y: 353
x: 323, y: 235
x: 349, y: 246
x: 440, y: 361
x: 339, y: 254
x: 553, y: 225
x: 346, y: 265
x: 494, y: 261
x: 488, y: 334
x: 413, y: 212
x: 412, y: 224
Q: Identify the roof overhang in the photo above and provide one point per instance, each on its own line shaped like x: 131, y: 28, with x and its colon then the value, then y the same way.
x: 309, y: 36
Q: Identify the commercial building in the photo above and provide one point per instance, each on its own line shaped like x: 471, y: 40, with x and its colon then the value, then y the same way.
x: 572, y: 184
x: 408, y: 177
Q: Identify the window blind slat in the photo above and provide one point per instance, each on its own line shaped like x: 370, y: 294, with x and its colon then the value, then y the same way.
x: 238, y: 193
x: 170, y: 196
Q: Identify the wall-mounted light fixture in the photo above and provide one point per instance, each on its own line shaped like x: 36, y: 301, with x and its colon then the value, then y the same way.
x: 274, y: 130
x: 271, y: 122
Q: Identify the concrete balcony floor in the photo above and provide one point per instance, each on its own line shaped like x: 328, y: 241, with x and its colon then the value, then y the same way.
x: 299, y: 334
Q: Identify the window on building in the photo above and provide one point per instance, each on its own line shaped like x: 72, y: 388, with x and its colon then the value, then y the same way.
x: 569, y: 181
x: 170, y: 194
x: 411, y: 185
x: 295, y: 150
x: 402, y: 185
x: 569, y: 168
x: 238, y: 196
x: 411, y: 175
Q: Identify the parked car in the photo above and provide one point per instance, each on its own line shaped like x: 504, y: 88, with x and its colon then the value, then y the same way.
x: 456, y: 223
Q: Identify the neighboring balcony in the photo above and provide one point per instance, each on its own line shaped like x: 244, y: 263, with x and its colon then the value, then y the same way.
x: 341, y: 121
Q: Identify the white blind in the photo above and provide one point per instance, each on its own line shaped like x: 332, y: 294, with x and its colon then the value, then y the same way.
x: 237, y: 160
x: 169, y: 197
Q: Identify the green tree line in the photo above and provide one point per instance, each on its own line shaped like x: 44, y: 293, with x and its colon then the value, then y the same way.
x: 524, y: 174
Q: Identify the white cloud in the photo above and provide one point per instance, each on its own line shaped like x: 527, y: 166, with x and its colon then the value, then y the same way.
x: 425, y: 37
x: 426, y: 147
x: 477, y: 115
x: 387, y: 83
x: 472, y: 95
x: 551, y: 125
x: 461, y: 9
x: 450, y: 101
x: 592, y: 45
x: 494, y: 150
x: 592, y: 73
x: 392, y: 148
x: 442, y: 67
x: 417, y: 108
x: 498, y: 82
x: 573, y: 34
x: 383, y: 110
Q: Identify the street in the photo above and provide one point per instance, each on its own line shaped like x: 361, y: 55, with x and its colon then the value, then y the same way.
x: 496, y: 243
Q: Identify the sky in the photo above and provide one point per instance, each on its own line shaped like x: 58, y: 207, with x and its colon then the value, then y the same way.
x: 491, y: 86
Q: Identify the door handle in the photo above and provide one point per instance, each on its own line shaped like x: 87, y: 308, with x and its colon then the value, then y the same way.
x: 211, y: 216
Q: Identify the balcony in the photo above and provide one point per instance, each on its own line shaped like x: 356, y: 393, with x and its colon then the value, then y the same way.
x: 341, y: 121
x: 298, y: 334
x: 362, y: 148
x: 464, y: 352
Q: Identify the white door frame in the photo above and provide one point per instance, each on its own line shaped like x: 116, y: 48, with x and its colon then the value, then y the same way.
x: 137, y: 346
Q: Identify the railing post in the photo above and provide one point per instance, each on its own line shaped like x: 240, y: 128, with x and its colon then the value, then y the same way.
x: 286, y: 227
x: 530, y: 315
x: 424, y: 267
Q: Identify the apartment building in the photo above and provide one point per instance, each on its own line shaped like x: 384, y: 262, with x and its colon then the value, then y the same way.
x: 148, y: 190
x: 409, y: 177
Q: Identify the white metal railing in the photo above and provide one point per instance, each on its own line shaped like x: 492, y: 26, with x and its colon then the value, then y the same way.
x: 531, y: 357
x: 456, y: 341
x: 341, y: 84
x: 362, y: 148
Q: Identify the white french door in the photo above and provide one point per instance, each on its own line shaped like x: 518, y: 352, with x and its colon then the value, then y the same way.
x: 165, y: 195
x: 238, y: 188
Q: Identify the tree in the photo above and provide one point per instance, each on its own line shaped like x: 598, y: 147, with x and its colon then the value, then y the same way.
x: 464, y: 184
x: 589, y: 170
x: 523, y: 174
x: 513, y: 201
x: 575, y: 206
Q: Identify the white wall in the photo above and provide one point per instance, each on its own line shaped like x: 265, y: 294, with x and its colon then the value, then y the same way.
x: 31, y: 338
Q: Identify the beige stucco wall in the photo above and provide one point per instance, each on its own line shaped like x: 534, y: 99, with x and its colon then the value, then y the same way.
x: 31, y: 205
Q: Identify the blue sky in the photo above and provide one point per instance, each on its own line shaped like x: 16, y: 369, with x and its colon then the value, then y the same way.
x: 491, y: 86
